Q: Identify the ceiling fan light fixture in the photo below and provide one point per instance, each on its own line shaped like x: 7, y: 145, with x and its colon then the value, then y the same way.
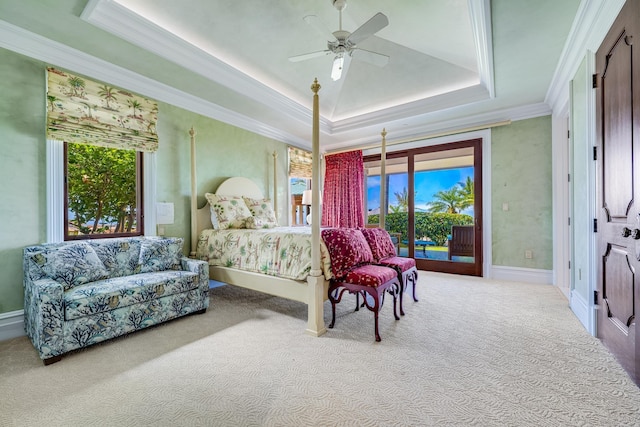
x: 336, y: 70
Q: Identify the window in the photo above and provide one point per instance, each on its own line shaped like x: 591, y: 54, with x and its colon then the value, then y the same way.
x: 95, y: 178
x: 103, y: 193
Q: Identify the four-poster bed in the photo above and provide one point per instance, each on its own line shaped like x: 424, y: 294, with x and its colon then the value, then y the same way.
x: 312, y: 290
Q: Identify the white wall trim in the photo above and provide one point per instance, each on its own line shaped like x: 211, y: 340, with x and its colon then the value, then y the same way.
x: 518, y: 274
x: 11, y: 324
x: 55, y: 191
x: 584, y: 311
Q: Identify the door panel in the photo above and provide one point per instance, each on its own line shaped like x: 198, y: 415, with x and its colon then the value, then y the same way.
x: 617, y: 130
x: 413, y: 177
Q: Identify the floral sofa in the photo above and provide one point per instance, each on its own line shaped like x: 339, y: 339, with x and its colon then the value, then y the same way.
x: 83, y: 292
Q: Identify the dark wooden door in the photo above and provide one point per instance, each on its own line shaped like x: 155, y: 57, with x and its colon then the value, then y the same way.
x: 618, y: 226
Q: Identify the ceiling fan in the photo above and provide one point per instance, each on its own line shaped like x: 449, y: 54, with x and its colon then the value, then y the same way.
x: 343, y: 43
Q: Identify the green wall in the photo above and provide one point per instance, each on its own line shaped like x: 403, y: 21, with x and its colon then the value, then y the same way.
x: 521, y: 174
x: 521, y: 177
x: 223, y: 151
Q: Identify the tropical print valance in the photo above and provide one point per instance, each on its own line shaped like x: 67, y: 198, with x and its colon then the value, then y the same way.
x: 300, y: 163
x: 84, y: 111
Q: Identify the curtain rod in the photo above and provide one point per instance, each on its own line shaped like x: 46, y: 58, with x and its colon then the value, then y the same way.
x: 427, y: 136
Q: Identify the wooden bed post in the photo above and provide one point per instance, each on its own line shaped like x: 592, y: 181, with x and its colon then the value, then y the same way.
x: 275, y: 184
x: 383, y: 179
x: 315, y: 319
x: 194, y: 196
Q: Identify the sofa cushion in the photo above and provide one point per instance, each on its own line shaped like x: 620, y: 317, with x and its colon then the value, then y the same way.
x: 347, y: 249
x: 72, y: 264
x: 380, y: 243
x: 117, y: 292
x: 159, y: 254
x: 120, y: 256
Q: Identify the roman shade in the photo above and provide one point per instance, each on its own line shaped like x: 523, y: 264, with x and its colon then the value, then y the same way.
x: 81, y: 110
x: 299, y: 163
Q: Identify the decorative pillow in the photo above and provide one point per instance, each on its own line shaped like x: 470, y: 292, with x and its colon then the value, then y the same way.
x: 253, y: 222
x: 380, y: 243
x: 72, y: 265
x: 214, y: 218
x: 230, y: 211
x: 347, y: 249
x: 262, y: 211
x: 160, y: 254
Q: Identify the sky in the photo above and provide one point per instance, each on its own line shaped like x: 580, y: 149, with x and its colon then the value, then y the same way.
x: 427, y: 183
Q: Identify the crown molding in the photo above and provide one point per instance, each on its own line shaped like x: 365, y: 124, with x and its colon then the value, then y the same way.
x: 51, y: 52
x: 128, y: 25
x: 590, y: 26
x: 426, y: 130
x: 480, y: 14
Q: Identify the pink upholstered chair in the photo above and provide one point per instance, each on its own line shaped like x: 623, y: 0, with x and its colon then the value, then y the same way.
x: 384, y: 253
x: 351, y: 266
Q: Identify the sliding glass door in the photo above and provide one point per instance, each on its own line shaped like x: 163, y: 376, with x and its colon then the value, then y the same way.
x: 433, y: 204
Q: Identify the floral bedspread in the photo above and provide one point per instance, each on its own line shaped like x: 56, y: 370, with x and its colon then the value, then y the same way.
x: 280, y: 251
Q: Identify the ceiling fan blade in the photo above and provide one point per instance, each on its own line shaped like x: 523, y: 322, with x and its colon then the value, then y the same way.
x: 371, y: 57
x: 369, y: 28
x: 320, y: 27
x: 305, y: 56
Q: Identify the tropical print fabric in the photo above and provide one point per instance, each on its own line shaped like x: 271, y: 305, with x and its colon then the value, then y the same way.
x: 230, y: 211
x: 281, y: 251
x: 262, y: 213
x: 160, y: 254
x: 57, y: 321
x: 347, y: 249
x: 72, y: 265
x: 84, y: 111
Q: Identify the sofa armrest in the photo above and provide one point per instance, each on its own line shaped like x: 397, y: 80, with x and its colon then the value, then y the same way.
x: 197, y: 266
x: 44, y: 316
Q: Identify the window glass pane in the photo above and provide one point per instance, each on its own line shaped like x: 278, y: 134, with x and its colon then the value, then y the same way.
x: 103, y: 188
x: 299, y: 212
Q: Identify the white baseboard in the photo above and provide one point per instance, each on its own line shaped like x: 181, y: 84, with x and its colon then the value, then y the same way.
x: 11, y: 324
x: 518, y: 274
x: 580, y: 308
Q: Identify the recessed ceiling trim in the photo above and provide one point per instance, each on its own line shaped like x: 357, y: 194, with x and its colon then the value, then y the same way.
x: 51, y: 52
x: 445, y: 127
x: 128, y: 25
x: 435, y: 103
x: 480, y: 14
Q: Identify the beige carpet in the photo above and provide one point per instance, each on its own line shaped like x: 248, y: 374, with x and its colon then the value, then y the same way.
x: 471, y: 352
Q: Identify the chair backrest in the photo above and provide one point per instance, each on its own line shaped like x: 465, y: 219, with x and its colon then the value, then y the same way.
x: 380, y: 243
x: 462, y: 240
x: 347, y: 249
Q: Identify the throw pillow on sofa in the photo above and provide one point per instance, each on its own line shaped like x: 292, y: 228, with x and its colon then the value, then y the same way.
x: 73, y: 265
x: 160, y: 254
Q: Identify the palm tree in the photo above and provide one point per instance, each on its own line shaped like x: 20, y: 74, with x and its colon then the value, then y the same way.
x: 448, y: 201
x: 77, y: 86
x: 466, y: 193
x: 403, y: 201
x: 135, y: 105
x: 106, y: 92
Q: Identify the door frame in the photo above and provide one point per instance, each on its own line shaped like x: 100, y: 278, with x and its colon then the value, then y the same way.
x: 485, y: 135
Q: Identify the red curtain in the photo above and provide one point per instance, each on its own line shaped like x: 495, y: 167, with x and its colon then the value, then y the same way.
x: 343, y: 194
